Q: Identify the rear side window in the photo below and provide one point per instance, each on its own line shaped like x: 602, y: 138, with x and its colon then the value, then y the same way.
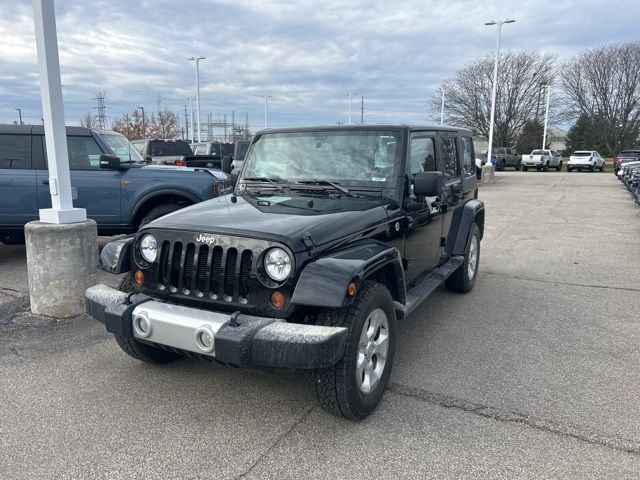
x: 163, y: 149
x: 468, y: 162
x: 449, y: 158
x: 15, y: 151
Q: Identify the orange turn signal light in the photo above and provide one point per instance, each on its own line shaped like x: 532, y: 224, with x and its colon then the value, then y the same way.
x: 277, y: 300
x: 139, y: 277
x: 351, y: 289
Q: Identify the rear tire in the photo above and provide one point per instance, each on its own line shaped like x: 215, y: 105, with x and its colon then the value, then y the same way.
x: 464, y: 278
x: 545, y: 167
x: 12, y: 239
x: 517, y: 167
x: 353, y: 387
x: 593, y: 168
x: 525, y: 168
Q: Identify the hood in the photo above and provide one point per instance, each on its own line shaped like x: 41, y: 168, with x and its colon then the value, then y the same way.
x: 219, y: 174
x: 285, y: 219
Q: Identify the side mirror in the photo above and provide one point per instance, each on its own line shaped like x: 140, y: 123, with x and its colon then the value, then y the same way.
x: 226, y: 163
x: 233, y: 177
x: 148, y: 158
x: 111, y: 162
x: 429, y: 184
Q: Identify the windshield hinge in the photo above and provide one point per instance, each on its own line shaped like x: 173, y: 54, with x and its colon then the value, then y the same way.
x: 309, y: 243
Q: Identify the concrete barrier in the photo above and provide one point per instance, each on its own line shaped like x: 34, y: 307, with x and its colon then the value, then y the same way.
x: 488, y: 171
x: 62, y: 262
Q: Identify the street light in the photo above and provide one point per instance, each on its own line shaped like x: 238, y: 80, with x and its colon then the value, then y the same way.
x: 197, y: 60
x: 495, y: 84
x: 193, y: 123
x: 143, y: 129
x: 20, y: 115
x: 350, y: 95
x: 546, y: 117
x: 266, y: 110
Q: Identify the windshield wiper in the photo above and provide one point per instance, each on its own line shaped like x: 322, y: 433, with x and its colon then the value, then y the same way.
x: 272, y: 181
x: 328, y: 183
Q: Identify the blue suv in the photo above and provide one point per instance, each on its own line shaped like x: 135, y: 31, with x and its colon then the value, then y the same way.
x: 120, y: 194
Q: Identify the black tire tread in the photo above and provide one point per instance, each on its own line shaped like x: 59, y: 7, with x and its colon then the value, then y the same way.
x: 143, y: 352
x: 159, y: 211
x: 329, y: 382
x: 458, y: 281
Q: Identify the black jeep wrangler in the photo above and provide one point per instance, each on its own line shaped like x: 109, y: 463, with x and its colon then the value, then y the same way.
x: 331, y: 236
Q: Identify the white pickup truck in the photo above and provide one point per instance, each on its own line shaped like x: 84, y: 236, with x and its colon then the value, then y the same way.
x: 542, y: 160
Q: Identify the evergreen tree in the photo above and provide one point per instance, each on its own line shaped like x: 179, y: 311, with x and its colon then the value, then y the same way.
x: 585, y: 134
x: 530, y: 136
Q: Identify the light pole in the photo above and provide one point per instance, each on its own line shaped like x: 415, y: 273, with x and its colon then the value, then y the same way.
x: 495, y: 85
x: 442, y: 108
x: 197, y: 60
x: 20, y: 115
x: 546, y: 117
x: 266, y: 110
x: 143, y: 129
x: 350, y: 95
x: 193, y: 123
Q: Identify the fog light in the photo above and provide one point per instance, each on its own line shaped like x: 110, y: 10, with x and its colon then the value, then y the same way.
x: 139, y: 277
x: 204, y: 339
x: 277, y: 300
x: 142, y: 325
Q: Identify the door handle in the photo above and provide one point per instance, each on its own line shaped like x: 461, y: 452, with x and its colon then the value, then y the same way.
x: 45, y: 182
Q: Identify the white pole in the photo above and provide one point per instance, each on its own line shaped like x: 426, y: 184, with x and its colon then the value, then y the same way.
x: 546, y: 117
x: 442, y: 109
x: 494, y: 86
x: 62, y: 210
x: 350, y: 95
x: 266, y: 110
x: 193, y: 122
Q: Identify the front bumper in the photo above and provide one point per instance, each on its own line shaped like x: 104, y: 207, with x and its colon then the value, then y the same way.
x: 240, y: 340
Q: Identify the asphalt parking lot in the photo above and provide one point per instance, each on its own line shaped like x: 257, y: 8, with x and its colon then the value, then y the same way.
x: 532, y: 375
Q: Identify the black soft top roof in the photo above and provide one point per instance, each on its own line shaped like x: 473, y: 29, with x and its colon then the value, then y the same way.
x: 39, y: 130
x: 373, y: 126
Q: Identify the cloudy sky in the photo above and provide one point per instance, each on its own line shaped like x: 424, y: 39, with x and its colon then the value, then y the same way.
x: 305, y: 54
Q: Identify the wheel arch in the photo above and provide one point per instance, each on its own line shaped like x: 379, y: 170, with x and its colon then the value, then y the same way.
x: 160, y: 197
x: 324, y: 282
x: 463, y: 219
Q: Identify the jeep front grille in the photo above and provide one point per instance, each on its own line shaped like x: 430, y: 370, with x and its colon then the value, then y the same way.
x: 205, y: 271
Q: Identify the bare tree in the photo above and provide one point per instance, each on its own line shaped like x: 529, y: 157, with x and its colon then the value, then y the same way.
x: 520, y: 94
x: 165, y: 125
x: 130, y: 125
x: 604, y: 83
x: 89, y: 120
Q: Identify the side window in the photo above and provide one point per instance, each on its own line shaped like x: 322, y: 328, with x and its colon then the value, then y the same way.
x: 15, y: 151
x: 468, y: 161
x: 449, y: 158
x: 84, y: 153
x: 423, y: 155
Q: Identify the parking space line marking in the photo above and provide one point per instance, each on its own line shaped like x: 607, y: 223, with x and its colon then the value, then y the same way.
x: 549, y: 426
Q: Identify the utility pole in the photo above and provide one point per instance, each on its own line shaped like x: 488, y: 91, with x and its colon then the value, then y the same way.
x: 20, y: 115
x: 143, y: 129
x: 442, y: 108
x: 102, y: 110
x: 197, y: 60
x: 362, y: 110
x: 546, y: 117
x: 495, y: 85
x: 186, y: 120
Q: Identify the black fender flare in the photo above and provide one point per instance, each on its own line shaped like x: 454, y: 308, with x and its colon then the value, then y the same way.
x: 162, y: 191
x: 116, y: 255
x: 324, y: 282
x: 463, y: 218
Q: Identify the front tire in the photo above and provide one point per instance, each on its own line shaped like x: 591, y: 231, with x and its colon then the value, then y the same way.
x: 559, y: 166
x: 525, y: 168
x: 353, y: 387
x: 133, y: 348
x: 464, y: 278
x: 159, y: 211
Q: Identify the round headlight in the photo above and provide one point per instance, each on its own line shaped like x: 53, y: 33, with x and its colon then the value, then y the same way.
x: 277, y: 263
x: 149, y: 248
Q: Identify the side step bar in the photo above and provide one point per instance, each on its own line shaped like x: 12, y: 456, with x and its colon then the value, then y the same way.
x: 428, y: 285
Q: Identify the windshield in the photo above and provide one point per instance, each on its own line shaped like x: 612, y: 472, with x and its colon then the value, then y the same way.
x: 360, y: 157
x: 121, y: 147
x: 630, y: 153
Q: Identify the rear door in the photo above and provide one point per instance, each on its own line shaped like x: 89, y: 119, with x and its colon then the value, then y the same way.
x: 95, y: 189
x: 451, y: 166
x: 18, y: 196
